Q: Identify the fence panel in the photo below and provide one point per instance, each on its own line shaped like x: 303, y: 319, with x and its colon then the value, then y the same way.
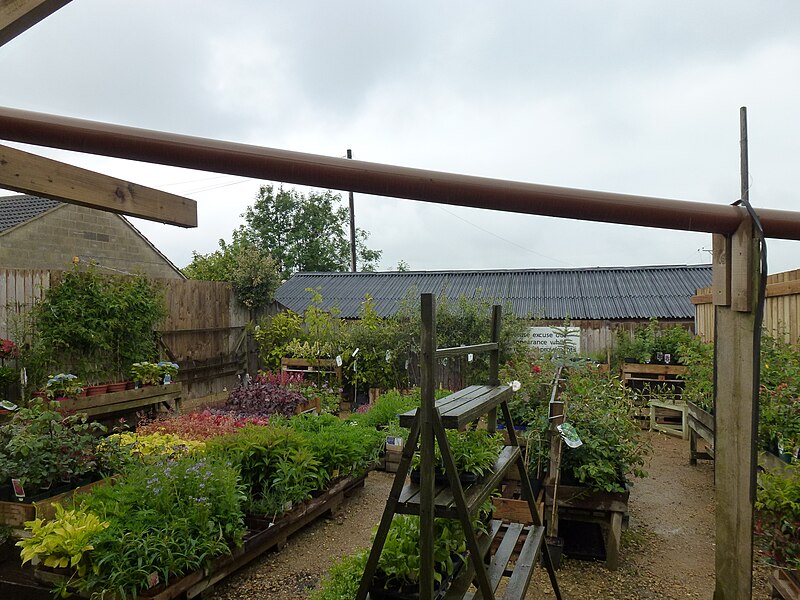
x: 781, y: 308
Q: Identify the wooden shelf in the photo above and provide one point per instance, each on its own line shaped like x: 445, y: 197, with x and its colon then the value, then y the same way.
x: 509, y: 537
x: 462, y: 407
x: 475, y: 494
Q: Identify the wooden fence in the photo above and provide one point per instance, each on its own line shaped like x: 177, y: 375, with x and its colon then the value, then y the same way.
x: 204, y: 331
x: 781, y: 310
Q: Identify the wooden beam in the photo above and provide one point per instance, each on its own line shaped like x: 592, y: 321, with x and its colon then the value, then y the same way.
x: 17, y: 16
x: 33, y: 174
x: 721, y: 269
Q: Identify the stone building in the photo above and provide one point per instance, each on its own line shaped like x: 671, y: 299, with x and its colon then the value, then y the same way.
x: 39, y: 233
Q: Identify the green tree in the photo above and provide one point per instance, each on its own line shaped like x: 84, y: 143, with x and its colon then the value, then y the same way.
x: 304, y: 233
x: 249, y: 269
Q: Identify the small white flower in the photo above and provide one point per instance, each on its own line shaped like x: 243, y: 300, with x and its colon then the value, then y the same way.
x: 515, y: 385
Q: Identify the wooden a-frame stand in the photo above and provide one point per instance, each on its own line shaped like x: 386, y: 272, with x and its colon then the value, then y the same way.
x: 454, y: 501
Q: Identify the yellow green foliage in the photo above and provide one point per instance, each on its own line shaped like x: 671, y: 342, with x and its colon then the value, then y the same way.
x: 154, y: 444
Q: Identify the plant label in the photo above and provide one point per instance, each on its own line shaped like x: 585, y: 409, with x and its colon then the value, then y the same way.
x: 19, y: 490
x: 569, y: 435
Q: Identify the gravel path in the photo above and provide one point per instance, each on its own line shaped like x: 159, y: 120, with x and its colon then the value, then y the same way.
x: 667, y: 553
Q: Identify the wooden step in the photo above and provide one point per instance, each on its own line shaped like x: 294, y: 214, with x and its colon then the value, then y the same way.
x: 475, y: 494
x: 461, y: 408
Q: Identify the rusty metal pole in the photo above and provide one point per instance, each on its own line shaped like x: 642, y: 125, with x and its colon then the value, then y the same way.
x: 352, y: 224
x: 382, y: 180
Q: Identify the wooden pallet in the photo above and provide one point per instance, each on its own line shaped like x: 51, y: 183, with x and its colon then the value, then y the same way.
x: 785, y: 584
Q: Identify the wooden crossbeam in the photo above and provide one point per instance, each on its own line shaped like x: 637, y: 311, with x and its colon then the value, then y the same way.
x: 32, y: 174
x: 17, y: 16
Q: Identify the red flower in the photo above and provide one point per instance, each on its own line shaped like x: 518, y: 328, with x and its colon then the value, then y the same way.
x: 536, y: 369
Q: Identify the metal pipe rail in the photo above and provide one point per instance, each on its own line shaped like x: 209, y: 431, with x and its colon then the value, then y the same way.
x: 473, y: 349
x: 383, y: 180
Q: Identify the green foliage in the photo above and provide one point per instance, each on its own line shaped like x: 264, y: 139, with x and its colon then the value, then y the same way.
x: 387, y: 408
x: 304, y: 233
x: 378, y: 362
x: 602, y: 413
x: 342, y: 579
x: 274, y: 333
x: 474, y: 451
x: 276, y: 465
x: 145, y: 372
x: 698, y: 357
x: 249, y: 268
x: 340, y: 448
x: 400, y: 560
x: 535, y: 373
x: 41, y: 445
x: 94, y: 326
x: 778, y: 515
x: 64, y: 541
x: 648, y: 340
x: 190, y: 514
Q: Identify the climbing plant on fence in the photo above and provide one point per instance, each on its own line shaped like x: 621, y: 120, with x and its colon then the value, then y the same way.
x: 93, y: 325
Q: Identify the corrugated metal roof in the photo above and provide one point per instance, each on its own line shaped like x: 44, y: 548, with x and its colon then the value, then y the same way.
x: 595, y: 293
x: 16, y: 210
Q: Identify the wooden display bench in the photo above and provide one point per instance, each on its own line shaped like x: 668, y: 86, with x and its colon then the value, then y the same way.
x: 662, y: 415
x: 642, y: 377
x: 108, y: 406
x: 326, y: 366
x: 701, y: 427
x: 607, y: 509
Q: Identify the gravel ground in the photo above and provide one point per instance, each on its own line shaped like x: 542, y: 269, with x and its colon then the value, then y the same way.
x: 667, y: 553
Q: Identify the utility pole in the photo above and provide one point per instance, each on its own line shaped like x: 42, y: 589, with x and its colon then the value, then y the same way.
x: 352, y: 226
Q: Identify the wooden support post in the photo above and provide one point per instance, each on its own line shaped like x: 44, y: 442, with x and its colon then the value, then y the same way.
x: 427, y: 438
x: 494, y: 363
x: 736, y: 375
x: 556, y: 417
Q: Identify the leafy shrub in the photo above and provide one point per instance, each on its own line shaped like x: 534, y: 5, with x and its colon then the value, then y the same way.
x: 340, y: 448
x: 93, y: 325
x: 41, y: 444
x: 64, y: 541
x: 474, y: 451
x: 261, y: 398
x: 387, y: 407
x: 778, y: 515
x: 190, y: 513
x: 613, y: 448
x: 698, y: 357
x: 275, y: 463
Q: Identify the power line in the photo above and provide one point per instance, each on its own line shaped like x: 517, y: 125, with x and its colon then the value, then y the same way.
x: 499, y: 237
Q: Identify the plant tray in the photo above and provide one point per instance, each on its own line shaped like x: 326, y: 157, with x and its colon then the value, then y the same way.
x: 14, y: 514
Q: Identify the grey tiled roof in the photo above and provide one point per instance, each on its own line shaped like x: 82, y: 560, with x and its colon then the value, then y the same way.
x: 15, y: 210
x: 596, y: 293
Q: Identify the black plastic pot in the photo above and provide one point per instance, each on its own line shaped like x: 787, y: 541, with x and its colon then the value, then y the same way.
x: 555, y: 547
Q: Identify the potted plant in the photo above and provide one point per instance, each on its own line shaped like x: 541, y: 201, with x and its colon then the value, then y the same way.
x: 63, y: 385
x: 167, y: 371
x: 42, y: 446
x: 397, y: 577
x: 474, y: 453
x: 145, y: 373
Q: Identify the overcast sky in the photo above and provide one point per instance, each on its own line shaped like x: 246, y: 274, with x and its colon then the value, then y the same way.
x: 622, y: 95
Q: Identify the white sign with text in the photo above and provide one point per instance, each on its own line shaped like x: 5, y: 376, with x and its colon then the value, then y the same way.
x: 549, y: 338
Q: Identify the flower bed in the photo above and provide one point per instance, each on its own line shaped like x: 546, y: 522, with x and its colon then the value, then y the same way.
x: 198, y: 493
